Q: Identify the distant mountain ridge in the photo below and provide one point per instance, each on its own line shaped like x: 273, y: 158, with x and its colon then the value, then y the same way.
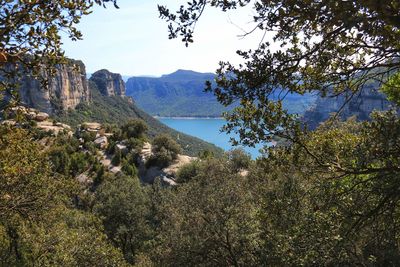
x: 178, y: 94
x: 181, y: 94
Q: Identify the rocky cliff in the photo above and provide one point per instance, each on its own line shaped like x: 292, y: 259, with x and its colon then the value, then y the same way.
x: 65, y: 90
x: 360, y: 105
x: 108, y: 83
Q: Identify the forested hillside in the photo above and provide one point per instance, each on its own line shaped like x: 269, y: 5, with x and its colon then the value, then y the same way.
x: 181, y: 94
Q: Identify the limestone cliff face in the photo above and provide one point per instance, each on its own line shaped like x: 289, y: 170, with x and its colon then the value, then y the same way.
x: 108, y: 83
x: 65, y: 90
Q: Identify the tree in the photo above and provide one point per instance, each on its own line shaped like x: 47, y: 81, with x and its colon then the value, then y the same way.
x: 210, y: 220
x: 392, y: 88
x: 134, y: 129
x: 27, y: 186
x: 123, y: 206
x: 116, y: 160
x: 239, y: 159
x: 165, y: 150
x: 328, y: 47
x: 30, y: 38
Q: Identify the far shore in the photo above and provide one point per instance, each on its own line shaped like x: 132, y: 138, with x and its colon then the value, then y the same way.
x: 189, y: 118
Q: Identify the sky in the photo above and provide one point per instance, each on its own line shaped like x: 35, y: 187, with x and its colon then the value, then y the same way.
x: 133, y: 40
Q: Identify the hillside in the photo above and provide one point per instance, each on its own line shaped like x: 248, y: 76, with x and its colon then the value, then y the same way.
x: 181, y: 94
x: 360, y: 105
x: 177, y: 94
x: 119, y: 109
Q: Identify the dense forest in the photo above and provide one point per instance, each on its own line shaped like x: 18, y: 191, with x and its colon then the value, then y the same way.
x: 327, y: 197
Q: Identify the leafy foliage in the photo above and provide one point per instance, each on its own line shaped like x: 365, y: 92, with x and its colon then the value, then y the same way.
x: 165, y: 150
x: 37, y: 224
x: 27, y: 186
x: 134, y: 129
x: 392, y: 88
x: 209, y: 221
x: 123, y: 206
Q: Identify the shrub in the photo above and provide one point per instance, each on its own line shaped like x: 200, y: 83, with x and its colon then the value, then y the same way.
x: 239, y: 159
x: 116, y: 160
x: 188, y: 172
x: 129, y: 168
x: 134, y: 128
x: 165, y: 150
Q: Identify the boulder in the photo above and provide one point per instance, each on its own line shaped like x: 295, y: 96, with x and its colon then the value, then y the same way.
x: 167, y: 181
x: 91, y: 126
x: 121, y: 147
x: 41, y: 116
x: 9, y: 122
x: 83, y: 178
x: 101, y: 142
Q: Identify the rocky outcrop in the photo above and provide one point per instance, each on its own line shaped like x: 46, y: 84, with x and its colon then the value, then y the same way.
x: 166, y: 175
x: 65, y: 90
x: 20, y: 116
x: 108, y: 83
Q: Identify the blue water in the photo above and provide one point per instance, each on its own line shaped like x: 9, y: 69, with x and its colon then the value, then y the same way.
x: 208, y: 130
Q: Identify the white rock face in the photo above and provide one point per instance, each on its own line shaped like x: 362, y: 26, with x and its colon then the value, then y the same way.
x: 121, y: 147
x: 9, y: 122
x: 172, y: 169
x: 101, y: 142
x: 65, y: 90
x: 91, y: 126
x: 49, y: 126
x: 83, y: 178
x: 167, y: 181
x: 41, y: 116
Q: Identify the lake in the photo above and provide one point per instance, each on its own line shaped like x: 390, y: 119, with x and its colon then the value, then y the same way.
x: 208, y: 130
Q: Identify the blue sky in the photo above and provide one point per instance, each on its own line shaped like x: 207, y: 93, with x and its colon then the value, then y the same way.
x: 132, y: 40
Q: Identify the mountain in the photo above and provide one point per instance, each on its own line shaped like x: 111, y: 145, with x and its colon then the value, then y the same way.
x: 360, y: 105
x: 181, y: 94
x: 178, y: 94
x: 108, y: 83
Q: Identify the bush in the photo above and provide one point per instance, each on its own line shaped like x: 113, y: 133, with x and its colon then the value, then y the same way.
x: 166, y: 142
x: 111, y: 147
x: 88, y: 136
x: 99, y: 178
x: 165, y: 150
x: 129, y: 168
x: 206, y: 154
x: 188, y: 172
x: 116, y: 160
x: 134, y: 144
x: 134, y: 128
x: 239, y: 159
